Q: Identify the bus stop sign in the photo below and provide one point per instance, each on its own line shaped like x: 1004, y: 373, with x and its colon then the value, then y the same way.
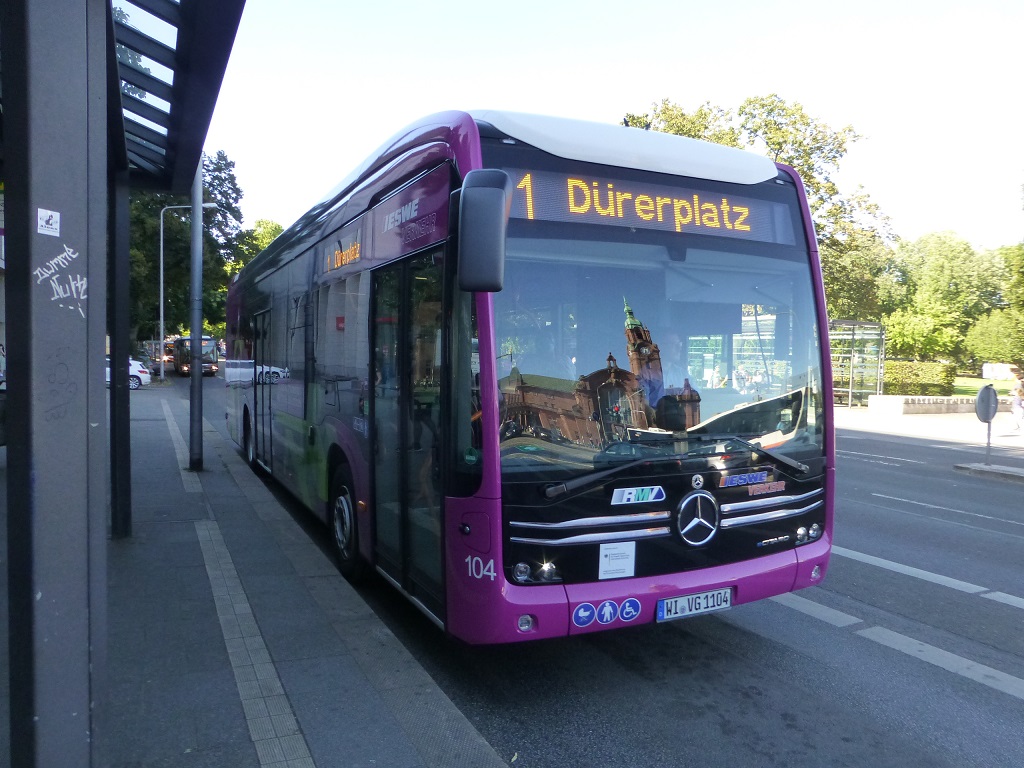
x: 987, y: 403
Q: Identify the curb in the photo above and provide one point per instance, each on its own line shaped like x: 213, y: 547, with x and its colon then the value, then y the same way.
x: 994, y: 471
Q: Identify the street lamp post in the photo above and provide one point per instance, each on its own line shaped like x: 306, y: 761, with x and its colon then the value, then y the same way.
x: 161, y: 340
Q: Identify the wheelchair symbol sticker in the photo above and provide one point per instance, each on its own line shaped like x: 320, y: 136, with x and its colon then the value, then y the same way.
x: 629, y: 609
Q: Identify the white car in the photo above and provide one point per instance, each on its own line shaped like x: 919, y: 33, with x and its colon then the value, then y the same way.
x: 138, y: 374
x: 268, y: 374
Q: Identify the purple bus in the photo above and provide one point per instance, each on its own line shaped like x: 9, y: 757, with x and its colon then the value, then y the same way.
x: 548, y: 377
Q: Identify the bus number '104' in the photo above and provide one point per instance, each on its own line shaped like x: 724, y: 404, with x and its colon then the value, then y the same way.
x: 478, y: 569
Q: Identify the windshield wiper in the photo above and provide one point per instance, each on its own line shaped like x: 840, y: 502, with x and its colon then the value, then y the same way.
x: 553, y: 490
x: 755, y: 448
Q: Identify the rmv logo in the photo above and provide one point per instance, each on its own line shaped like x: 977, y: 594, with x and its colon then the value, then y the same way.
x: 638, y: 495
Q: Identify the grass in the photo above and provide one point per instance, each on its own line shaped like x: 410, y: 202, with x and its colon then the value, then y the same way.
x: 968, y: 386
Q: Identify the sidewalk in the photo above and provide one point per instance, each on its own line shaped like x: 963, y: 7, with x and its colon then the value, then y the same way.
x: 232, y: 639
x: 963, y: 428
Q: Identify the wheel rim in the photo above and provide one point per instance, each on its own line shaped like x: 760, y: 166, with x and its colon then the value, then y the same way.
x: 134, y: 383
x: 344, y: 523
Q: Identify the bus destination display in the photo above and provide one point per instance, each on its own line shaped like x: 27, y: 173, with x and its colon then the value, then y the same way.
x: 542, y: 195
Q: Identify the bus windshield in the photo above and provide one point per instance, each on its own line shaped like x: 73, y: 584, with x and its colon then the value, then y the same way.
x: 613, y: 346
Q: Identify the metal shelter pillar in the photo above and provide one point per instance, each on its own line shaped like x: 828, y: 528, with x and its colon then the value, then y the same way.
x: 55, y: 101
x: 120, y: 394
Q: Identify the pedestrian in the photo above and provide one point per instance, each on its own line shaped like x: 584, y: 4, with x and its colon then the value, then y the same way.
x: 1017, y: 405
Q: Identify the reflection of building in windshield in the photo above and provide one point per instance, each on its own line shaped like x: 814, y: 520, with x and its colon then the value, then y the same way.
x: 598, y: 408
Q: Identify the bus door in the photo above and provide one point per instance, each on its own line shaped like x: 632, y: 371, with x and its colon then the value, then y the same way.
x: 407, y: 370
x: 262, y: 391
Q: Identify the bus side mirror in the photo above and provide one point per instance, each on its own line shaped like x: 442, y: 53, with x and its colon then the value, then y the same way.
x: 484, y: 207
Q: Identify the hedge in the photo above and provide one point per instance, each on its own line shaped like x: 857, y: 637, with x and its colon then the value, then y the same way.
x: 904, y: 377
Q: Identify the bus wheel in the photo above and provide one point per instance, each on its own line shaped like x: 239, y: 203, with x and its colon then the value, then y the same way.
x: 247, y: 441
x: 344, y: 528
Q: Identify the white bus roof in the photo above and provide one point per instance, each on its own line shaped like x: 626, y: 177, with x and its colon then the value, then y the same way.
x: 631, y: 147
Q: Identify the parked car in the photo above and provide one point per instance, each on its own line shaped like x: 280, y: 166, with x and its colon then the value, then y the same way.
x: 143, y: 357
x: 268, y: 374
x: 138, y: 374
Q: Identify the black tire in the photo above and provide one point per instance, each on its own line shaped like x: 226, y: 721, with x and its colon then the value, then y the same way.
x: 248, y: 444
x: 275, y: 377
x: 134, y: 382
x: 341, y: 519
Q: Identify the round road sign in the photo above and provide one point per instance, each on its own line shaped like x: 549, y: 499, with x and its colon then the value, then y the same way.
x: 987, y: 403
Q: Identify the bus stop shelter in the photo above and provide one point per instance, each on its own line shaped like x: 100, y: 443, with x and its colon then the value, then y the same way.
x: 97, y: 97
x: 858, y: 360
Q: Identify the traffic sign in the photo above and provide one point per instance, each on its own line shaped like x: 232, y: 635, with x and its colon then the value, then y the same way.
x: 987, y: 403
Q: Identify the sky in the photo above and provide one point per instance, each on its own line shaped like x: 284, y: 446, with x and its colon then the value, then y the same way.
x: 933, y: 88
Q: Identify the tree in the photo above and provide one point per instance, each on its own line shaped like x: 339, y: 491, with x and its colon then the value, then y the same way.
x: 854, y: 237
x: 952, y: 288
x: 997, y: 338
x: 128, y: 57
x: 251, y: 242
x: 220, y: 232
x: 789, y: 135
x: 1013, y: 262
x: 707, y: 123
x: 854, y: 277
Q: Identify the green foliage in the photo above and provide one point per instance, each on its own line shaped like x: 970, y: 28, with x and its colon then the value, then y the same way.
x: 851, y: 230
x: 997, y: 338
x: 789, y: 135
x: 920, y: 379
x: 706, y: 123
x: 129, y: 57
x: 251, y: 242
x: 919, y: 336
x: 1013, y: 262
x: 220, y: 232
x: 942, y: 288
x: 853, y: 276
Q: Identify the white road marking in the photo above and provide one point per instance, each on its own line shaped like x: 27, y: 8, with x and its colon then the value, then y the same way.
x: 1002, y: 597
x: 934, y: 578
x: 949, y: 509
x: 816, y: 610
x: 906, y: 570
x: 877, y: 456
x: 190, y: 479
x: 958, y: 665
x: 273, y: 727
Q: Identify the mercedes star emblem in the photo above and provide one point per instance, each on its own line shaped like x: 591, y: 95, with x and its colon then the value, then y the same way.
x: 698, y: 518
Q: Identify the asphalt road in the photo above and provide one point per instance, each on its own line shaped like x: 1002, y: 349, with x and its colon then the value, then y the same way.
x: 910, y: 654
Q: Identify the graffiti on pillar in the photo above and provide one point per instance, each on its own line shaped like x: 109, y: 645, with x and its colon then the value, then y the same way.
x: 60, y: 390
x: 68, y: 287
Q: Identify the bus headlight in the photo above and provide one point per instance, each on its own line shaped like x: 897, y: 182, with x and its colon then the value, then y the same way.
x: 525, y: 622
x: 815, y: 531
x: 545, y: 573
x: 801, y: 535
